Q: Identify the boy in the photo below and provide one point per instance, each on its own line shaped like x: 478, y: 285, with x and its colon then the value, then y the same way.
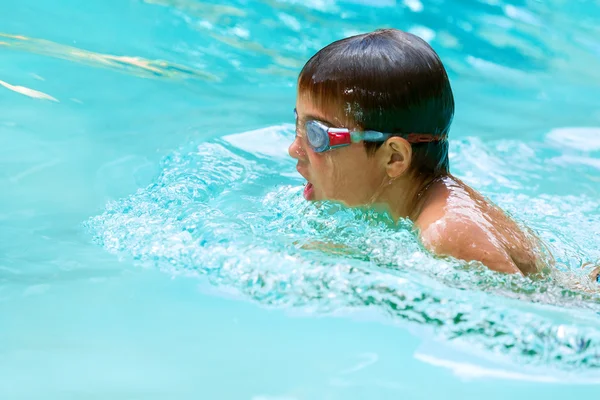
x: 373, y: 116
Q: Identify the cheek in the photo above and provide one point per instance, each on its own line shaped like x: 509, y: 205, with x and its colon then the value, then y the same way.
x: 322, y: 166
x: 346, y: 176
x: 361, y: 178
x: 325, y: 172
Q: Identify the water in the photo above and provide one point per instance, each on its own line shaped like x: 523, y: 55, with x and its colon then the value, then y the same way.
x: 153, y: 239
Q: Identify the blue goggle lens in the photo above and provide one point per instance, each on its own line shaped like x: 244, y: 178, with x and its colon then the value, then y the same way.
x: 317, y: 136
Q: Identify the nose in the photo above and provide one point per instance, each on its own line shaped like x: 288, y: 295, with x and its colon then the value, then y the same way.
x: 296, y: 151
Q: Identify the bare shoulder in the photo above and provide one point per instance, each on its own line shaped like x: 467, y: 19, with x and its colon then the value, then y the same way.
x: 455, y: 225
x: 465, y: 240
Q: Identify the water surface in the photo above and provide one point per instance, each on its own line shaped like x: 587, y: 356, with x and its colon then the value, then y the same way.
x: 153, y: 238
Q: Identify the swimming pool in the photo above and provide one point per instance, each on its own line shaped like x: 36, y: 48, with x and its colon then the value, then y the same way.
x: 152, y: 248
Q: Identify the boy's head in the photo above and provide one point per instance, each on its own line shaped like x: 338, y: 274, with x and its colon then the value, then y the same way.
x: 387, y: 81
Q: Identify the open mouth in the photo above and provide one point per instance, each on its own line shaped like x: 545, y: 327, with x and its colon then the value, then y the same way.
x: 309, y: 191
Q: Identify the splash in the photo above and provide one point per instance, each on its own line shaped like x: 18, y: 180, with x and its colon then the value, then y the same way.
x: 234, y: 217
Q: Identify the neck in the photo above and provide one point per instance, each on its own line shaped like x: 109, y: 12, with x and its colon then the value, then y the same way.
x: 403, y: 197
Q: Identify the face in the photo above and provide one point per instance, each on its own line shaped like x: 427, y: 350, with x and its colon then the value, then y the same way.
x: 347, y: 174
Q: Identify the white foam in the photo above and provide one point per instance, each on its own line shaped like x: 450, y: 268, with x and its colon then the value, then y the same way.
x: 578, y: 138
x: 494, y: 70
x: 414, y: 5
x: 290, y: 21
x: 589, y: 161
x: 270, y: 141
x: 423, y: 32
x: 520, y: 14
x: 375, y: 3
x: 473, y: 371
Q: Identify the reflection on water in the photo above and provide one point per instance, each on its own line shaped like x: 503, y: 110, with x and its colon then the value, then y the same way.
x: 134, y: 65
x: 36, y: 94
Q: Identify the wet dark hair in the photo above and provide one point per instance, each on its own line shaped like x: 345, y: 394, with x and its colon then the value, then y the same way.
x: 388, y: 81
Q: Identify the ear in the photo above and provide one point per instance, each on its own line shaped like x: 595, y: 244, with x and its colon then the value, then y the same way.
x: 397, y: 154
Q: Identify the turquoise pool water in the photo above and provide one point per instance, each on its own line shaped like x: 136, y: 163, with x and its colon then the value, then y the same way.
x: 152, y: 247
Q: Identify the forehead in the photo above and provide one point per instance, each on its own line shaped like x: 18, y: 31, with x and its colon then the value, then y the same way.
x: 334, y: 112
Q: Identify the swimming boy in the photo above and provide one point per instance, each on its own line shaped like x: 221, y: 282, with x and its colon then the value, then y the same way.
x: 372, y: 123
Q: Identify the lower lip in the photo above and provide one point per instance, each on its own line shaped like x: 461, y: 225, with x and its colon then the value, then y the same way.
x: 309, y: 191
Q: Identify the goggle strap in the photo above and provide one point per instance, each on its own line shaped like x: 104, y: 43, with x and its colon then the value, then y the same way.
x: 375, y: 136
x: 423, y: 138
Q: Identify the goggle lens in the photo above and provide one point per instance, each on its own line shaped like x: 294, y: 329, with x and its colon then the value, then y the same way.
x: 317, y: 136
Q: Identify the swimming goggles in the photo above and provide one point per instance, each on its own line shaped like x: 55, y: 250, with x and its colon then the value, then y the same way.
x: 322, y: 138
